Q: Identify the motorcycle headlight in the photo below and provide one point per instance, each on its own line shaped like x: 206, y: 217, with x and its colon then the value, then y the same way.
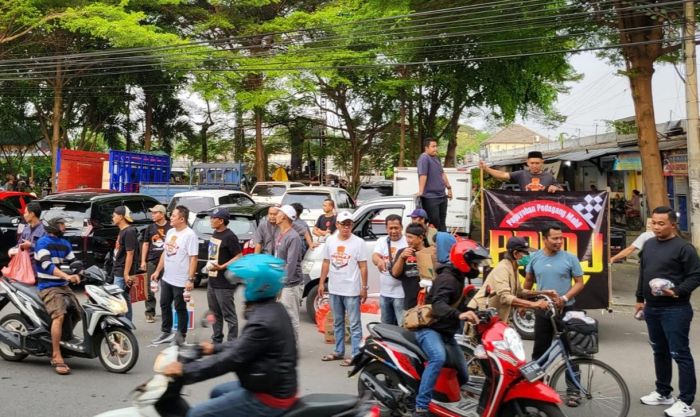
x: 118, y: 306
x: 513, y: 343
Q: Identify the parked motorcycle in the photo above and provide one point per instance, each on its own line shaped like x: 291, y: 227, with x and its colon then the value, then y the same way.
x: 161, y: 395
x: 107, y: 333
x: 623, y: 216
x: 391, y: 362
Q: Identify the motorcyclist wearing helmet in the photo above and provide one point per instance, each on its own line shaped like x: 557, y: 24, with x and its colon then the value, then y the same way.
x: 50, y: 253
x: 444, y: 296
x: 503, y: 283
x: 264, y: 356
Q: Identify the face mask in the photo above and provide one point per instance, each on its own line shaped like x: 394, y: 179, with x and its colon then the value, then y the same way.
x: 524, y: 260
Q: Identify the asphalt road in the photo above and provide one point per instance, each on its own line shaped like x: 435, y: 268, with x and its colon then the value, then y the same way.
x: 31, y: 388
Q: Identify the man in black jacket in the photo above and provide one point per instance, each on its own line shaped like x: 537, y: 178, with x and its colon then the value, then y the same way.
x: 264, y: 356
x: 667, y: 311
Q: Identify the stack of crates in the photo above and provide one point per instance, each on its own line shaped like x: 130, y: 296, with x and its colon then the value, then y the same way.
x: 128, y: 169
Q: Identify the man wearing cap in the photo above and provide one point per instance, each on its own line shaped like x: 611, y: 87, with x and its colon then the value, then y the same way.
x: 432, y: 183
x: 503, y: 282
x: 124, y: 249
x: 345, y: 267
x: 264, y: 236
x: 420, y: 216
x: 288, y: 247
x: 31, y: 232
x: 532, y: 179
x: 151, y: 250
x: 224, y: 248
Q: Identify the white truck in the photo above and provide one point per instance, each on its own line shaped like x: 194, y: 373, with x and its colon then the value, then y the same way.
x: 458, y: 209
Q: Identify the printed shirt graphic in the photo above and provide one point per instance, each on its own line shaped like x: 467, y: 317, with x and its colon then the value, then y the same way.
x: 344, y: 273
x: 214, y: 246
x: 532, y: 182
x: 155, y: 236
x: 388, y: 285
x: 179, y: 246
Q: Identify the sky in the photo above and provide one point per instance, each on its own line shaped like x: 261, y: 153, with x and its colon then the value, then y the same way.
x: 603, y: 95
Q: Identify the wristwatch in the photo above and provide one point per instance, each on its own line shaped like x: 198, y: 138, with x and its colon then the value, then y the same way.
x: 365, y: 287
x: 190, y: 279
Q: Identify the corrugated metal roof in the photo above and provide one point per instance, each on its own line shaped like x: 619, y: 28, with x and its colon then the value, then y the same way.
x: 585, y: 155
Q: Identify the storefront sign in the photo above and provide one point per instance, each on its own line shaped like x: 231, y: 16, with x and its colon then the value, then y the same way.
x: 676, y: 163
x: 628, y: 162
x: 583, y: 217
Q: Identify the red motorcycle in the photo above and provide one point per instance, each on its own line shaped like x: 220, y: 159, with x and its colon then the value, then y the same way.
x: 391, y: 364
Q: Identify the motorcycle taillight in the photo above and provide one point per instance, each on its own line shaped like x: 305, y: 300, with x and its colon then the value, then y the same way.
x: 375, y: 411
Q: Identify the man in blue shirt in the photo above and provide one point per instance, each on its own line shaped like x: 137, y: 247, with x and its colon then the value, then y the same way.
x: 432, y: 183
x: 51, y: 251
x: 553, y: 269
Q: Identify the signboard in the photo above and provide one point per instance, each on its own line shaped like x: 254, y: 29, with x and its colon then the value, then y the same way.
x: 631, y: 161
x: 676, y: 163
x: 583, y: 217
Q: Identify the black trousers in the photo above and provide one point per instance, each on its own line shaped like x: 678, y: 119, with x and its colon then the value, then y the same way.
x: 169, y: 295
x: 544, y: 335
x: 437, y: 211
x: 221, y: 303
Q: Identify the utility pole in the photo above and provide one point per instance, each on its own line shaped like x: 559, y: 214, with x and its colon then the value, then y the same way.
x: 693, y: 135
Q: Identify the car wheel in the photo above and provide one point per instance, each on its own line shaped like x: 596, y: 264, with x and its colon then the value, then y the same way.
x: 313, y: 302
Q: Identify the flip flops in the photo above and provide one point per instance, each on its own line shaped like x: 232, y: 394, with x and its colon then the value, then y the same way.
x: 60, y: 367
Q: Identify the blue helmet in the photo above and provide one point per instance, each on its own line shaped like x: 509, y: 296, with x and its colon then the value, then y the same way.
x: 262, y: 275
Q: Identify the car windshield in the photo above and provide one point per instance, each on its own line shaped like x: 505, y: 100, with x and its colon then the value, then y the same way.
x: 243, y: 227
x: 265, y: 190
x: 74, y: 214
x: 193, y: 203
x: 369, y: 193
x: 311, y: 201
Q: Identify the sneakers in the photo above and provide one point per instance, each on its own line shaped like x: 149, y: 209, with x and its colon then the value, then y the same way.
x: 654, y: 398
x: 163, y: 338
x: 150, y: 318
x: 679, y: 409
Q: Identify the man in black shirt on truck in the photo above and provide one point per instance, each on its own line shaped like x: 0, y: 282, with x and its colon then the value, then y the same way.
x: 668, y: 312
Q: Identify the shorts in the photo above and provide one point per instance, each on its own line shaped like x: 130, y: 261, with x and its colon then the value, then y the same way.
x: 57, y: 300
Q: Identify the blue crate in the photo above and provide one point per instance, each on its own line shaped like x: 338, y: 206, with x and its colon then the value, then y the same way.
x: 129, y: 169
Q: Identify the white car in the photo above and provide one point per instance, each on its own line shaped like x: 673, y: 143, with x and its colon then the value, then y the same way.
x: 271, y: 192
x: 203, y: 200
x: 369, y: 225
x: 312, y: 200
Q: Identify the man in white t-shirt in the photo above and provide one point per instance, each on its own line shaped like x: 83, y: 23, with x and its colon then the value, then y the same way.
x: 179, y: 264
x: 390, y: 289
x: 345, y: 266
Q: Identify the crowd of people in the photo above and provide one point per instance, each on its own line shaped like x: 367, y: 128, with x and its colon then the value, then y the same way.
x: 264, y: 351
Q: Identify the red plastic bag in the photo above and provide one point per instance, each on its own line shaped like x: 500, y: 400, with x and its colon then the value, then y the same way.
x: 139, y: 290
x: 321, y: 314
x: 20, y: 268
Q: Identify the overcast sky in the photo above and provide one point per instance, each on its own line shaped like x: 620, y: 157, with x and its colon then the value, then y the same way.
x: 603, y: 95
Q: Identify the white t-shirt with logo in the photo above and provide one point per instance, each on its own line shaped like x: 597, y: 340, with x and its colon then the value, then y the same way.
x: 179, y: 246
x: 388, y: 285
x: 344, y: 272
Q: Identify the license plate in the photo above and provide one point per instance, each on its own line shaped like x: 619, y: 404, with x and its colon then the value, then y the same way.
x: 532, y: 371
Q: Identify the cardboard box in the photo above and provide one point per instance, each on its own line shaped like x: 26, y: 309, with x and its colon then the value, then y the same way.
x: 329, y: 334
x: 426, y: 260
x: 190, y: 317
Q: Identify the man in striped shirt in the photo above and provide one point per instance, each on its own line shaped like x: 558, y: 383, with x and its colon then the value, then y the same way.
x: 51, y: 251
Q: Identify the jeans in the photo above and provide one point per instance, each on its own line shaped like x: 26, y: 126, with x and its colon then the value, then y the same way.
x: 119, y: 281
x: 151, y: 298
x: 221, y: 303
x: 435, y: 346
x: 290, y: 298
x: 232, y: 400
x: 350, y: 305
x: 391, y: 310
x: 669, y: 328
x: 169, y: 295
x: 437, y: 211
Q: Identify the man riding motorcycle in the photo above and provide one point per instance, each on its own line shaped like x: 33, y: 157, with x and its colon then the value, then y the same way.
x: 264, y: 356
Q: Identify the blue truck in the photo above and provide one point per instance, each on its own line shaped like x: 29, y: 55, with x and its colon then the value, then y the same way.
x: 212, y: 176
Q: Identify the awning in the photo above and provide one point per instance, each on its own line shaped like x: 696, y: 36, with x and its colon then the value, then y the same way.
x: 578, y: 156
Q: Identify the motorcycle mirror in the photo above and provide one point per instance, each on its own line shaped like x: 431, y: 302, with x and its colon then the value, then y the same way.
x: 77, y: 266
x: 208, y: 319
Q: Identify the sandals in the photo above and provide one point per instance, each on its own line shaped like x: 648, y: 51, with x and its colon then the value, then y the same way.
x: 346, y: 362
x: 573, y: 400
x: 335, y: 357
x: 60, y: 367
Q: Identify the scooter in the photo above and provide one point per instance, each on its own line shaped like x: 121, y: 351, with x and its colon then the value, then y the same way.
x: 391, y: 363
x: 161, y: 395
x: 107, y: 333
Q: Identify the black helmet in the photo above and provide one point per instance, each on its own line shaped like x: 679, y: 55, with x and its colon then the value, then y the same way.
x: 52, y: 226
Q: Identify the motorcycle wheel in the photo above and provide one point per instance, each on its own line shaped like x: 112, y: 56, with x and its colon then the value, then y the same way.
x: 390, y: 379
x: 127, y: 350
x: 531, y: 408
x: 523, y: 320
x: 17, y: 323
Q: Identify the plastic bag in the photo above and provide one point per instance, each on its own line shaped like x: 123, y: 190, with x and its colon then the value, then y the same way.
x: 20, y: 268
x: 321, y: 314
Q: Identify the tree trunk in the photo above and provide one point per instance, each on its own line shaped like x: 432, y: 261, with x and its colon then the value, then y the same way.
x: 148, y: 121
x: 296, y: 137
x: 356, y: 150
x: 239, y: 137
x: 203, y: 132
x: 260, y: 157
x: 451, y: 155
x: 654, y: 180
x: 402, y: 144
x: 56, y: 122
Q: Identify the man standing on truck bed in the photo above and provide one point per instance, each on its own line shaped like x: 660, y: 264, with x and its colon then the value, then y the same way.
x: 432, y: 182
x: 532, y: 179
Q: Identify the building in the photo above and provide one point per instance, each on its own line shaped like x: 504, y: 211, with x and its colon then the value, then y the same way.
x: 514, y: 138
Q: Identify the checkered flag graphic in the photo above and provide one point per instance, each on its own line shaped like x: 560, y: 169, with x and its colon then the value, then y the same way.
x: 590, y: 210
